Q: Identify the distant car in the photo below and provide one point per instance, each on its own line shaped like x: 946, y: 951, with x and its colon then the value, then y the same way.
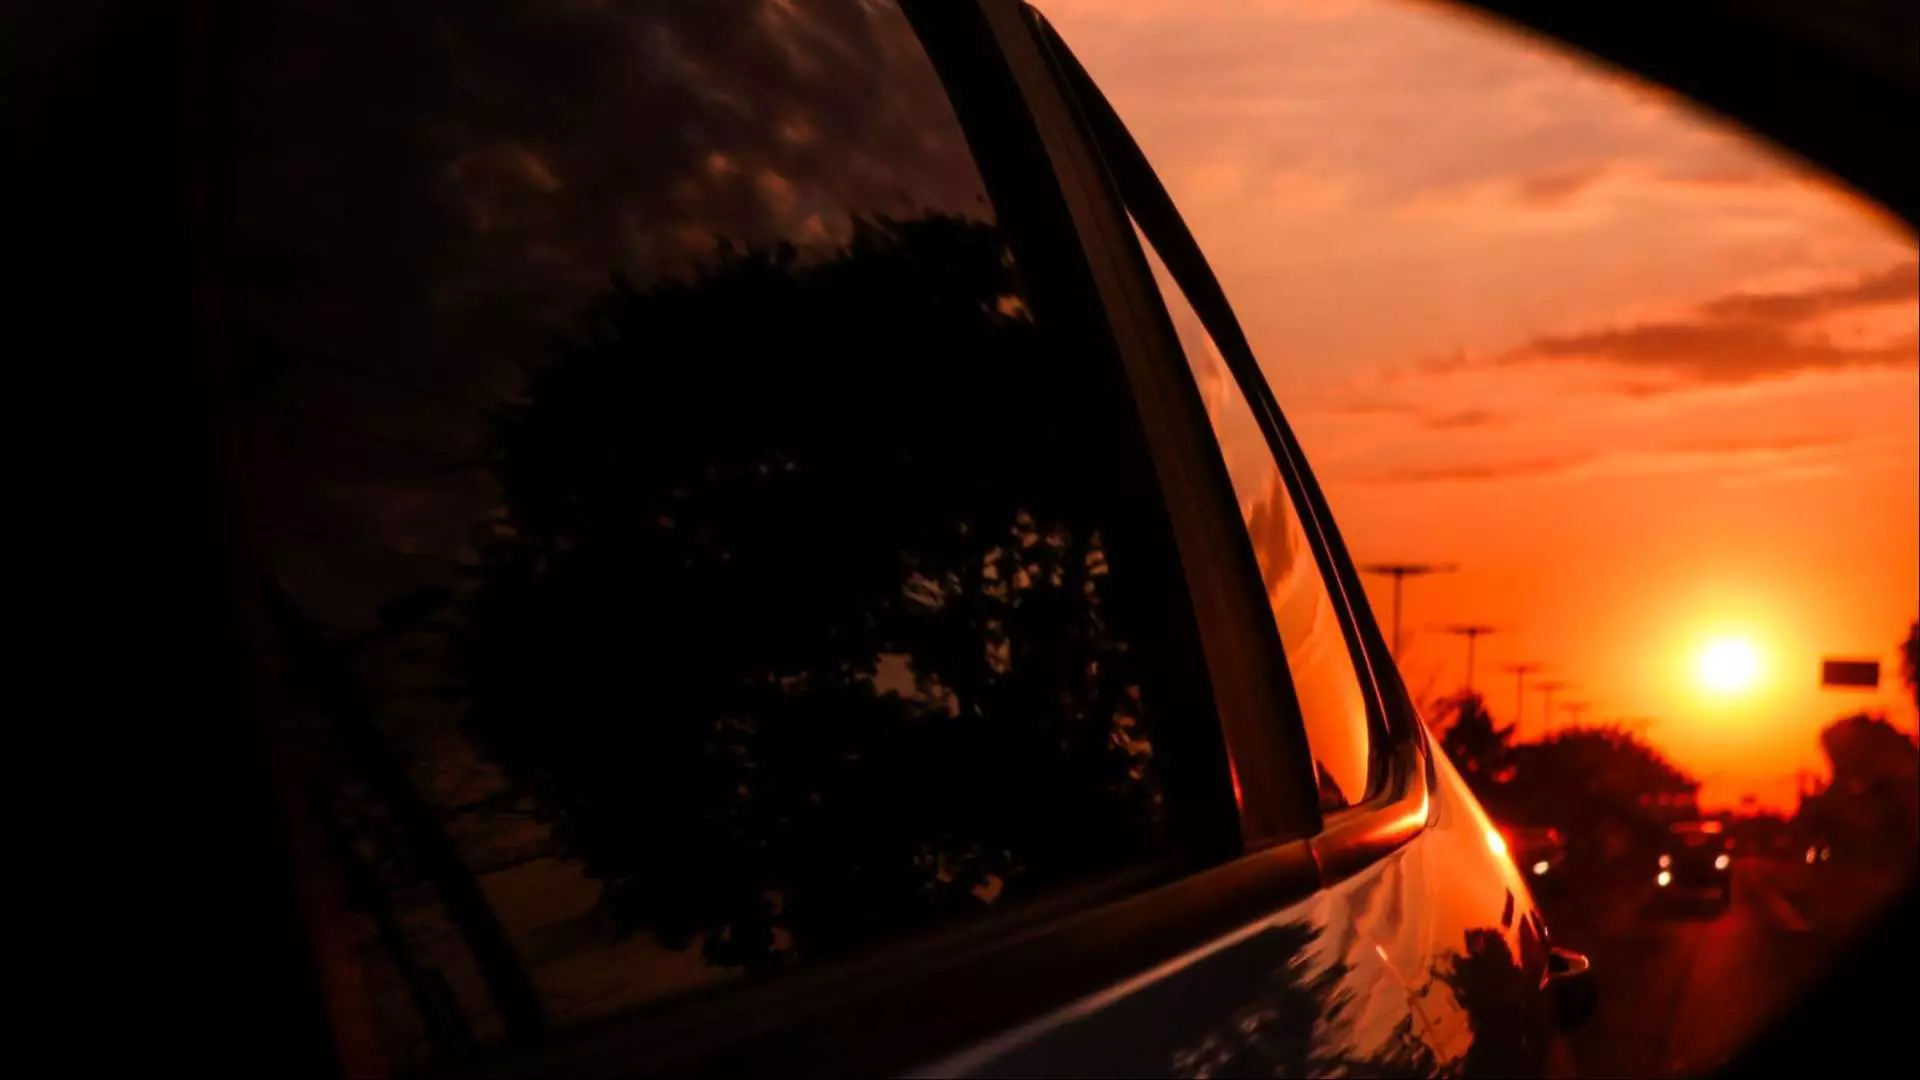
x: 1541, y: 854
x: 1697, y: 861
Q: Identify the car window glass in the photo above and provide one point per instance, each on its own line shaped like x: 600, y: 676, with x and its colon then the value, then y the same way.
x: 1332, y: 702
x: 684, y: 555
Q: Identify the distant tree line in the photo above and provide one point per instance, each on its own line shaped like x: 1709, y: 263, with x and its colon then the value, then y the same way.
x: 1604, y: 786
x: 1596, y: 781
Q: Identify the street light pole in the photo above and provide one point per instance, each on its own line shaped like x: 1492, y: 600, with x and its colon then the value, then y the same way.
x: 1399, y: 572
x: 1472, y: 632
x: 1520, y: 673
x: 1546, y: 701
x: 1576, y: 709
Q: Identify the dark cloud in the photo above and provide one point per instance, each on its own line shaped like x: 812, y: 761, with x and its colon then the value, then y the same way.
x: 1456, y: 420
x: 1464, y: 419
x: 1748, y: 175
x: 1368, y: 407
x: 1683, y: 454
x: 1646, y: 388
x: 1893, y: 285
x: 471, y: 178
x: 1472, y: 472
x: 1713, y: 353
x: 1739, y: 337
x: 1550, y: 189
x: 417, y: 197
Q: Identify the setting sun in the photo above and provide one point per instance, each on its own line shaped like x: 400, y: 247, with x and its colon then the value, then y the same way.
x: 1729, y: 665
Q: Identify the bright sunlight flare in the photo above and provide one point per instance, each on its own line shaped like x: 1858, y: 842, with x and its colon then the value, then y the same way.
x: 1729, y: 665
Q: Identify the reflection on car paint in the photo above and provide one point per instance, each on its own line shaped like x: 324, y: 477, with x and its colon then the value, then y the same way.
x: 1453, y: 917
x: 1431, y: 962
x: 1301, y: 993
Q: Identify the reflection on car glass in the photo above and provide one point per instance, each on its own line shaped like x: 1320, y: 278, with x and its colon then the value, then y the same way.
x: 688, y: 556
x: 1324, y: 680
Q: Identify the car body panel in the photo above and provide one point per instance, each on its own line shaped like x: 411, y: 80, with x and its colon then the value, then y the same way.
x: 1302, y: 992
x: 1455, y: 918
x: 1429, y: 962
x: 1541, y: 856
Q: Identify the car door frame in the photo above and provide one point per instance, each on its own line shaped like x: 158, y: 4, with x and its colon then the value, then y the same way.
x: 1401, y: 806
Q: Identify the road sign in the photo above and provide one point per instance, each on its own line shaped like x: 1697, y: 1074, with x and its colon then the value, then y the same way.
x: 1850, y: 674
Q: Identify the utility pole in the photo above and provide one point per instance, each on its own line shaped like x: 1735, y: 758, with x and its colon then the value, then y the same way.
x: 1637, y: 724
x: 1520, y: 673
x: 1576, y: 709
x: 1808, y: 783
x: 1546, y: 701
x: 1472, y: 632
x: 1400, y: 572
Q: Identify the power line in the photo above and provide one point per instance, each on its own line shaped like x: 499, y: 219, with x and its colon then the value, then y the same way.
x: 1399, y: 572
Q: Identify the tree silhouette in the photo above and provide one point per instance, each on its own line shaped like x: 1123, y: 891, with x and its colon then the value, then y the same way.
x: 1478, y: 746
x: 1873, y: 800
x: 1910, y: 663
x: 799, y: 622
x: 1502, y: 1010
x: 1589, y: 781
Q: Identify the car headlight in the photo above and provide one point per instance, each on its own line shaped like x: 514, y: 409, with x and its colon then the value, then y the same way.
x: 1811, y: 856
x: 1540, y: 868
x: 1663, y: 879
x: 1721, y: 862
x: 1667, y: 860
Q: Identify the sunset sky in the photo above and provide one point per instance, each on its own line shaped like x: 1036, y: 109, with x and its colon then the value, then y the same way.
x: 1648, y: 382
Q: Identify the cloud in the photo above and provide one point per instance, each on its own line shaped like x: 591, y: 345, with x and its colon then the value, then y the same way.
x: 1736, y: 460
x: 1464, y: 419
x: 1709, y: 353
x: 1431, y: 419
x: 1738, y: 337
x: 1470, y: 472
x: 1785, y: 444
x: 1556, y: 187
x: 1163, y: 11
x: 1896, y: 284
x: 1723, y: 176
x: 1586, y: 192
x: 1365, y: 407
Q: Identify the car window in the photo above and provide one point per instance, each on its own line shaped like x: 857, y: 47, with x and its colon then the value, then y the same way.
x: 1332, y: 701
x: 683, y: 555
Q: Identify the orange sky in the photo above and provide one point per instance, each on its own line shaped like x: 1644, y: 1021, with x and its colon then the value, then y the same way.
x: 1644, y: 379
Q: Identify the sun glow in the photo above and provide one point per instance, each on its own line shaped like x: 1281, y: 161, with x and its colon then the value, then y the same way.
x: 1729, y: 665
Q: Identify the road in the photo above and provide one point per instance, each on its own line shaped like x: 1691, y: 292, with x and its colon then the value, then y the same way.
x: 1680, y: 993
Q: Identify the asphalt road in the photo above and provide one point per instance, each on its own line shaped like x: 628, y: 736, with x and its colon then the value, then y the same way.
x: 1682, y: 991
